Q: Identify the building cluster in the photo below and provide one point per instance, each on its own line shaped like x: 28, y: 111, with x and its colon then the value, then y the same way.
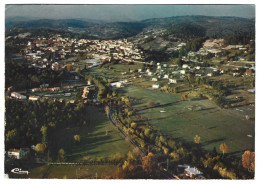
x: 42, y: 51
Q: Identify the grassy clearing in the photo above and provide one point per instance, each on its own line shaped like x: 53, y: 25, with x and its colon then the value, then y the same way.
x: 71, y: 172
x: 212, y: 124
x: 100, y: 139
x: 115, y: 73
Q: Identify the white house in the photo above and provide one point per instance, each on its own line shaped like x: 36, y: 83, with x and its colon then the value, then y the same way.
x: 173, y: 81
x: 166, y: 76
x: 192, y: 171
x: 209, y: 74
x: 150, y: 73
x: 185, y: 66
x: 34, y: 98
x: 159, y: 67
x: 154, y: 79
x: 183, y: 72
x: 155, y: 86
x: 18, y: 153
x: 18, y: 96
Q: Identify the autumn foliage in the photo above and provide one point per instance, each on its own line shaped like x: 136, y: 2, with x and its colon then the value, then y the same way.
x: 184, y: 97
x: 224, y: 148
x: 248, y: 160
x: 148, y: 163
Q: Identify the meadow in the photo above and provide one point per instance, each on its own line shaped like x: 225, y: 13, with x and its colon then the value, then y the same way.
x: 99, y: 138
x: 196, y: 116
x: 72, y: 171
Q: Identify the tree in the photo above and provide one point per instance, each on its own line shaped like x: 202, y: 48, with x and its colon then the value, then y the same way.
x: 133, y: 125
x: 69, y: 67
x: 11, y: 135
x: 197, y: 139
x: 150, y: 104
x: 44, y: 134
x: 77, y: 138
x: 40, y: 148
x: 224, y: 148
x: 147, y: 132
x: 148, y: 163
x: 107, y: 110
x: 184, y: 97
x: 248, y: 160
x: 61, y: 155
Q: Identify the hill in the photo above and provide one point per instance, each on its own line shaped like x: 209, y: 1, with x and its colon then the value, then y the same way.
x: 179, y: 26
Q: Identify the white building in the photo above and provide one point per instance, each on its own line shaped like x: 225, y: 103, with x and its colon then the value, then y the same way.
x: 185, y: 66
x: 154, y: 79
x: 192, y: 171
x: 183, y: 72
x: 33, y: 98
x: 18, y: 153
x: 18, y: 96
x: 155, y: 86
x: 166, y: 76
x: 173, y: 81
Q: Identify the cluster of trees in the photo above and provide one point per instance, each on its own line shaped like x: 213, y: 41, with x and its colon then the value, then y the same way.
x: 103, y: 89
x: 227, y: 167
x: 22, y: 77
x: 195, y: 44
x: 35, y: 122
x: 218, y: 90
x: 186, y: 31
x: 136, y: 167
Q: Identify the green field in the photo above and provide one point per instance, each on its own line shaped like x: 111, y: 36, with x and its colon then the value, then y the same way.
x: 99, y: 139
x: 115, y: 72
x: 72, y: 171
x: 212, y: 124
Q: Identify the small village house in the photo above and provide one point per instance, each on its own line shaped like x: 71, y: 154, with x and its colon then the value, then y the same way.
x: 18, y: 153
x: 155, y: 86
x: 18, y: 96
x: 34, y: 98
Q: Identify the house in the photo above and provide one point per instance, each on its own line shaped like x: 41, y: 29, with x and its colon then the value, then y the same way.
x: 18, y: 153
x: 154, y: 79
x: 118, y: 84
x: 18, y: 96
x: 155, y: 86
x: 183, y: 72
x: 34, y: 98
x: 150, y: 73
x: 173, y: 81
x: 166, y: 76
x: 209, y: 74
x: 185, y: 66
x: 192, y: 172
x: 251, y: 90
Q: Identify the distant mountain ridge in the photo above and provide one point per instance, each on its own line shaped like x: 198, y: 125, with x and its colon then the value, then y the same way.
x: 213, y: 26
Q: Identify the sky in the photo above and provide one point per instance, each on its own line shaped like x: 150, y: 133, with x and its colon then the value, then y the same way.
x: 126, y: 12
